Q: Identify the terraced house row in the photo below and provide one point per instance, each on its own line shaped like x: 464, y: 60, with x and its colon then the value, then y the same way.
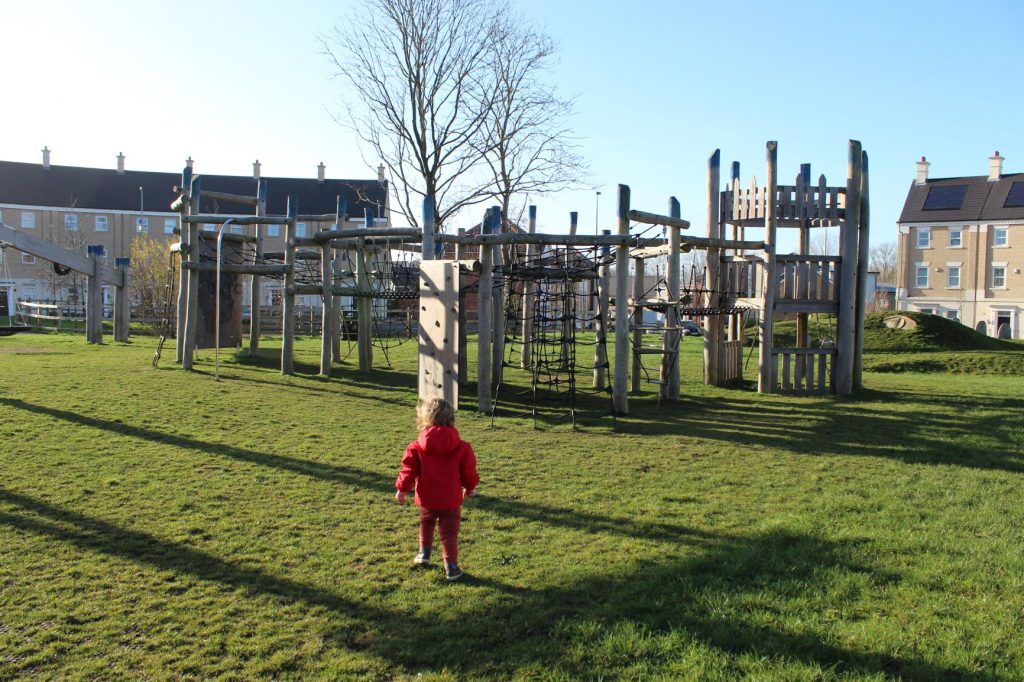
x: 75, y: 207
x: 961, y: 249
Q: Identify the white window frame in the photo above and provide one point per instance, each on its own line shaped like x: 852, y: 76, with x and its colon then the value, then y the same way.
x: 142, y: 225
x: 169, y: 225
x: 959, y: 238
x: 28, y: 220
x: 273, y: 230
x: 1001, y: 267
x: 71, y: 222
x: 27, y: 259
x: 996, y: 233
x: 953, y: 315
x: 926, y: 311
x: 300, y: 229
x: 926, y: 233
x: 918, y: 268
x: 950, y: 269
x: 102, y: 223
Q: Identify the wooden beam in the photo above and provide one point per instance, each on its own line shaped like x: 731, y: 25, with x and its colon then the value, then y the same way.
x: 766, y: 376
x: 620, y: 399
x: 655, y: 219
x: 232, y: 198
x: 55, y: 254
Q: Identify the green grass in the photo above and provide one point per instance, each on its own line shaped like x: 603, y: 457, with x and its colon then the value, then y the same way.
x: 155, y: 523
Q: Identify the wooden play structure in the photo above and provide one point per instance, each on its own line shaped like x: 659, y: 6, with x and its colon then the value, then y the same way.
x: 96, y: 272
x: 533, y: 290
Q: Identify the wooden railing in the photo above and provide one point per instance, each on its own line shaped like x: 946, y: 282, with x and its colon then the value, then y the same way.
x: 808, y: 278
x: 803, y: 370
x: 731, y: 361
x: 792, y: 202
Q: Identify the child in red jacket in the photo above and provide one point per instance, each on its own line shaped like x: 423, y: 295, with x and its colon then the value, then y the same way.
x: 440, y: 465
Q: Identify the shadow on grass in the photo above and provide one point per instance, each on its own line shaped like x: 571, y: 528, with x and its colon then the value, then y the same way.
x: 720, y: 599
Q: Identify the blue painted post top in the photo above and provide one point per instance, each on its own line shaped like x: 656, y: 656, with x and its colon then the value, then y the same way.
x: 574, y: 219
x: 533, y: 212
x: 293, y: 206
x: 674, y: 210
x: 342, y: 212
x: 261, y: 191
x: 367, y: 217
x: 735, y: 170
x: 805, y: 172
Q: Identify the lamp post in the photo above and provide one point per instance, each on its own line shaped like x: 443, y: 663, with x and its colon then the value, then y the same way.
x: 597, y: 206
x: 142, y: 203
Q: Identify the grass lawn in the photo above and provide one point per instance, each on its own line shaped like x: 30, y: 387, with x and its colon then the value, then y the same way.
x: 155, y: 523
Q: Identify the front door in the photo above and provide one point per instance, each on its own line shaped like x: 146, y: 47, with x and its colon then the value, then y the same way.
x: 1004, y: 320
x: 5, y: 303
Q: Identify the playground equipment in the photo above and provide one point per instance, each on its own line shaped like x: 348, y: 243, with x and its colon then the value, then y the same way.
x: 535, y: 290
x: 96, y: 274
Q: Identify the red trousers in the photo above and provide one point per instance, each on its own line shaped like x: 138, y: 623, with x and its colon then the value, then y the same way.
x: 449, y: 520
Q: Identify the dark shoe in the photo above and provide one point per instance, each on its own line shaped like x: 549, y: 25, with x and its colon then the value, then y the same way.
x: 452, y: 572
x: 423, y: 558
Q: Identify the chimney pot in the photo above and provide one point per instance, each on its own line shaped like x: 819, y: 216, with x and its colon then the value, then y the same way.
x: 321, y: 171
x: 189, y: 162
x: 995, y: 167
x: 922, y: 171
x: 380, y: 173
x: 120, y: 163
x: 46, y: 157
x: 256, y: 169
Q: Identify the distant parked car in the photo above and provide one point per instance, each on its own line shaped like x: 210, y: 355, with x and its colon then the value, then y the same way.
x: 691, y: 328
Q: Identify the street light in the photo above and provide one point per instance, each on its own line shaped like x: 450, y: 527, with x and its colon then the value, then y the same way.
x: 142, y: 203
x: 597, y: 206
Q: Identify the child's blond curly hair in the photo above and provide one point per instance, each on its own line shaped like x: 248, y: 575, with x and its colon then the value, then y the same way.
x: 434, y: 412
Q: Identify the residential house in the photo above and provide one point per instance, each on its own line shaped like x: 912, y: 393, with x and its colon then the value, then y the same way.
x: 961, y: 249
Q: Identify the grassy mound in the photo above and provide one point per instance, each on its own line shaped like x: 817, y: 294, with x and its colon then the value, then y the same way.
x: 993, y: 363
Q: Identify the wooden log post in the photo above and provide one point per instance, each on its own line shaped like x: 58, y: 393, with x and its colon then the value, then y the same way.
x: 288, y: 300
x: 94, y: 296
x: 568, y: 312
x: 364, y: 302
x: 639, y: 288
x: 255, y: 288
x: 863, y: 295
x: 185, y: 207
x: 842, y: 369
x: 803, y: 180
x: 669, y: 388
x: 766, y: 375
x: 712, y: 325
x: 529, y: 296
x: 463, y: 350
x: 327, y: 315
x: 188, y: 348
x: 601, y: 320
x: 429, y: 226
x: 123, y: 301
x: 498, y: 305
x: 340, y: 216
x: 620, y: 398
x: 485, y: 322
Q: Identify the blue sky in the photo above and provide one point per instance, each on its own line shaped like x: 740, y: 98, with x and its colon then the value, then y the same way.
x: 660, y: 85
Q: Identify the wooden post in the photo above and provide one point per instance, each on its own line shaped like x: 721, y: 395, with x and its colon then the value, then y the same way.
x: 94, y: 297
x: 601, y: 321
x: 842, y: 370
x: 181, y: 312
x: 463, y: 350
x: 766, y: 376
x: 712, y: 326
x: 568, y: 311
x: 327, y: 330
x: 863, y: 295
x: 498, y: 305
x: 620, y: 399
x: 122, y: 301
x: 429, y: 225
x: 529, y: 296
x: 669, y: 389
x: 255, y: 292
x: 188, y: 348
x: 288, y: 300
x: 364, y: 303
x: 340, y: 216
x: 802, y: 319
x: 484, y: 320
x: 639, y: 287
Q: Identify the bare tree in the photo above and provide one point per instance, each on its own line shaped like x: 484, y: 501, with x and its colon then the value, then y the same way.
x: 883, y: 261
x: 420, y: 94
x: 825, y: 241
x: 526, y: 142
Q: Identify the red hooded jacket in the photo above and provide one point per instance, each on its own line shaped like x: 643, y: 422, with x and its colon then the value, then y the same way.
x: 439, y: 464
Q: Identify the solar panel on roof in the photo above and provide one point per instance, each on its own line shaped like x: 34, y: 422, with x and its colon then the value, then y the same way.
x: 945, y: 197
x: 1016, y: 196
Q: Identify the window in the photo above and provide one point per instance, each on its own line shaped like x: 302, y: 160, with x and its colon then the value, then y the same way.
x: 71, y: 221
x: 926, y: 311
x: 28, y: 292
x: 1016, y: 196
x: 1000, y: 236
x: 237, y: 229
x: 300, y: 229
x: 924, y: 237
x: 27, y: 259
x: 169, y: 225
x: 998, y: 276
x: 922, y: 276
x: 945, y: 198
x: 955, y: 238
x: 273, y: 230
x: 142, y: 224
x: 28, y: 220
x: 952, y: 315
x: 101, y: 223
x: 953, y: 276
